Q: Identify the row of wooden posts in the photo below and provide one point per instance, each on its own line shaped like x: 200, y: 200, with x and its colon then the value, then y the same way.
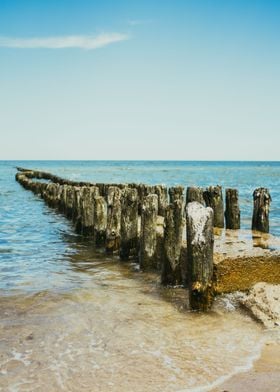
x: 124, y: 219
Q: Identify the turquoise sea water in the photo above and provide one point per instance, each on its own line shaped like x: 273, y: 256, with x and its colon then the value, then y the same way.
x: 73, y: 319
x: 37, y: 245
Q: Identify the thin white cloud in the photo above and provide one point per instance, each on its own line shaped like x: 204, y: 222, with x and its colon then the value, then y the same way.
x: 72, y: 41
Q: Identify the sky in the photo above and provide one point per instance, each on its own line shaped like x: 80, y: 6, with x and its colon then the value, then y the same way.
x: 126, y: 79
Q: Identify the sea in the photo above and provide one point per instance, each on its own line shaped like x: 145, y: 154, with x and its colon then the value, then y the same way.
x: 74, y: 319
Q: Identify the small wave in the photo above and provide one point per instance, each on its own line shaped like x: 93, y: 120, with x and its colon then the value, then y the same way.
x: 238, y: 369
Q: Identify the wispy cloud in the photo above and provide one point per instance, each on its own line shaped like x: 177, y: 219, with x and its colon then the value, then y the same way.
x: 71, y: 41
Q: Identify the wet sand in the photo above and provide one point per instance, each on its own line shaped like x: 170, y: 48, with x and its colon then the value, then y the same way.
x: 263, y: 377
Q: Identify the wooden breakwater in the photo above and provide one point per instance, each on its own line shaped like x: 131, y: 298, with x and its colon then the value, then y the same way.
x: 162, y: 229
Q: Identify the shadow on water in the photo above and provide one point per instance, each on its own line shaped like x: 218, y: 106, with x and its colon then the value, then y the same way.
x: 86, y: 259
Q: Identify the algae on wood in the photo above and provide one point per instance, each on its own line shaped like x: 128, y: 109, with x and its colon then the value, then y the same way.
x: 173, y: 231
x: 260, y: 220
x: 129, y: 223
x: 200, y: 241
x: 232, y: 213
x: 113, y: 229
x: 100, y: 221
x: 213, y: 197
x: 148, y: 240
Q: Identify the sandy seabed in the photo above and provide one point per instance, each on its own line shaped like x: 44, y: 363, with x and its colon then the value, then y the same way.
x: 263, y: 377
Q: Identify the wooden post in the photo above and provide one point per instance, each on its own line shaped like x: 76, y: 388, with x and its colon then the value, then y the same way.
x: 173, y: 231
x: 43, y: 187
x: 129, y: 223
x: 77, y: 209
x: 70, y: 195
x: 213, y: 197
x: 87, y: 209
x: 194, y: 194
x: 113, y: 219
x: 37, y: 188
x: 63, y: 197
x: 176, y: 193
x: 232, y: 213
x: 101, y: 188
x: 148, y: 240
x: 162, y: 194
x: 143, y: 191
x: 59, y: 196
x: 200, y: 242
x: 50, y: 194
x: 262, y: 200
x: 100, y: 221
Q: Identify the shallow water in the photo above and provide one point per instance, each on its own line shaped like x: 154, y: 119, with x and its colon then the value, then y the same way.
x: 119, y: 332
x: 74, y: 320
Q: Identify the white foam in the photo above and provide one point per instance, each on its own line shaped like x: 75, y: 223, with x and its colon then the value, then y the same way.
x: 237, y: 369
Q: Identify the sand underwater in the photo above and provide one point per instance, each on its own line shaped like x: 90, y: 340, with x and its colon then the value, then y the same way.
x: 73, y: 319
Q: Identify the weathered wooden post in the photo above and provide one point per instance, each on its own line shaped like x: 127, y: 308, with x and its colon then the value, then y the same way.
x: 143, y: 191
x: 213, y: 197
x: 87, y: 209
x: 162, y: 194
x: 43, y: 187
x: 129, y: 223
x: 113, y: 229
x: 77, y: 208
x: 262, y: 200
x: 100, y: 221
x: 36, y: 188
x: 200, y: 241
x: 176, y: 193
x: 101, y: 188
x: 148, y: 240
x: 70, y: 195
x: 173, y: 230
x: 194, y: 194
x: 45, y: 193
x: 82, y: 210
x: 62, y: 202
x: 59, y: 197
x: 32, y: 186
x: 50, y: 194
x: 232, y: 212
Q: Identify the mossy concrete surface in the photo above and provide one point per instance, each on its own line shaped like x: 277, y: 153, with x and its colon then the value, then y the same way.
x: 244, y: 258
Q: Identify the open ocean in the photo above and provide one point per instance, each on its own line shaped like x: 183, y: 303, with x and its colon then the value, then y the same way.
x: 74, y: 320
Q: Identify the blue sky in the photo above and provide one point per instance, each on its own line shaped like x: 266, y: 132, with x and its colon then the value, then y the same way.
x: 180, y: 79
